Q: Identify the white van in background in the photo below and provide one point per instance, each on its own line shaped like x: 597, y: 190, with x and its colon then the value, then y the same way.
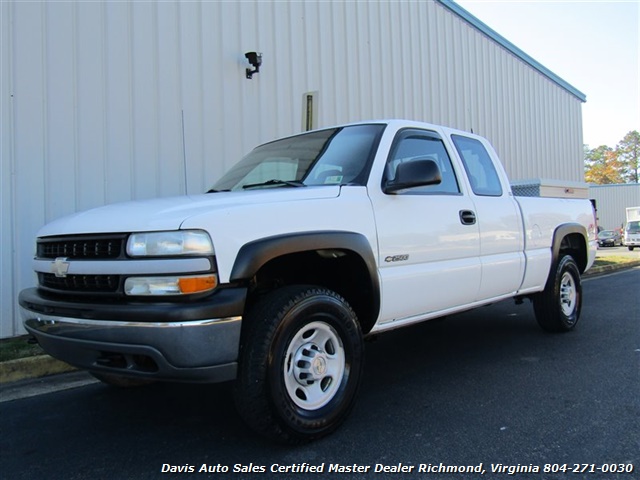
x: 632, y: 228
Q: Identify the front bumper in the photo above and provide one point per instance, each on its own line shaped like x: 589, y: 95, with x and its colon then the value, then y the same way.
x: 201, y: 347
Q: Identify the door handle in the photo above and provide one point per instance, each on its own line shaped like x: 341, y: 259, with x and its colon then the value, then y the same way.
x: 467, y: 217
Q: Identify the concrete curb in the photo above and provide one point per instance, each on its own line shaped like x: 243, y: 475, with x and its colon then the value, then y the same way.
x: 44, y: 365
x: 611, y: 268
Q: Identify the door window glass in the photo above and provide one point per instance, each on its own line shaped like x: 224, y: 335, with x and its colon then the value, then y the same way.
x: 411, y: 145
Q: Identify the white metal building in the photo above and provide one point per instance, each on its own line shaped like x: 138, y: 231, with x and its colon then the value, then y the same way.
x: 612, y: 202
x: 110, y: 101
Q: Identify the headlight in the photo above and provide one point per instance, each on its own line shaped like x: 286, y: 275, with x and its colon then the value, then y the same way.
x: 180, y: 242
x: 178, y: 285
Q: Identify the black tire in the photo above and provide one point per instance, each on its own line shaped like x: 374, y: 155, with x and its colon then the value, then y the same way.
x: 557, y: 307
x: 631, y: 248
x: 301, y: 360
x: 121, y: 381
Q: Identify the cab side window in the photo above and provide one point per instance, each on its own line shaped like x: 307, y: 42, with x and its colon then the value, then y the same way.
x: 412, y: 145
x: 479, y: 166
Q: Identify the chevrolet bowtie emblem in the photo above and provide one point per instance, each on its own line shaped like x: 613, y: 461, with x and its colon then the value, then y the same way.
x: 60, y: 267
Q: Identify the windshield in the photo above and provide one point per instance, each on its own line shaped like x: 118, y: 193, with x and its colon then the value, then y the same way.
x: 633, y: 227
x: 606, y: 233
x: 337, y: 156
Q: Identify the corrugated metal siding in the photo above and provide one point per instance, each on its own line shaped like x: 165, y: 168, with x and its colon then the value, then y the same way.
x: 110, y: 101
x: 8, y: 269
x: 612, y: 202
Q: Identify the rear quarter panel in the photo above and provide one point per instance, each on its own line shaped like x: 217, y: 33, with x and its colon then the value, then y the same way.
x: 541, y: 217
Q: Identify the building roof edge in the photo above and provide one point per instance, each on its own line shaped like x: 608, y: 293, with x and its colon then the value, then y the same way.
x: 609, y: 185
x: 495, y: 36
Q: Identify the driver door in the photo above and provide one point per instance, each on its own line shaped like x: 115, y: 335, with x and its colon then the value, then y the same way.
x: 428, y: 238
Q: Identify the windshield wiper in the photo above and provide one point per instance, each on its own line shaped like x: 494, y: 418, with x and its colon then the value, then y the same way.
x: 274, y: 181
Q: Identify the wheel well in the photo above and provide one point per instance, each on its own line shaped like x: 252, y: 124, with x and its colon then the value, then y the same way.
x: 574, y: 244
x: 342, y: 271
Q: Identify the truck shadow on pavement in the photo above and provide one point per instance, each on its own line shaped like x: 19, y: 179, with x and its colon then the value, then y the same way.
x: 407, y: 369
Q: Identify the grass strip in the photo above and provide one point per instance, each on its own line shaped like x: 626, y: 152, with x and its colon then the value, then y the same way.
x: 18, y: 347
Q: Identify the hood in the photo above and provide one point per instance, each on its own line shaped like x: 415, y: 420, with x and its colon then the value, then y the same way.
x: 169, y: 213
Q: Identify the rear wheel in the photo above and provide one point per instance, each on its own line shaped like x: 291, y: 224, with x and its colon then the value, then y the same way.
x: 301, y: 360
x: 557, y: 307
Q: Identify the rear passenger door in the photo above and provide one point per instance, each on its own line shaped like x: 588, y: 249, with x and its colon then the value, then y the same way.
x: 428, y: 249
x: 499, y: 220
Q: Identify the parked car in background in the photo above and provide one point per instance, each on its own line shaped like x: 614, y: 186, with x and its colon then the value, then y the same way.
x: 609, y: 238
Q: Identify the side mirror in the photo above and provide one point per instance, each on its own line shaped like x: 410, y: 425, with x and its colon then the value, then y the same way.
x: 415, y: 173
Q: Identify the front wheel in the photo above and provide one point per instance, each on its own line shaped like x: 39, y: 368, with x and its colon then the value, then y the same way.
x: 301, y: 360
x: 557, y: 307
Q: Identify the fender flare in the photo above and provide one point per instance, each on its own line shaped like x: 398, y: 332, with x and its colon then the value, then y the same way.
x: 559, y: 234
x: 253, y: 255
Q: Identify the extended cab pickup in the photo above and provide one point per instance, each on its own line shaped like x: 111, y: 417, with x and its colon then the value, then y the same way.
x: 309, y: 244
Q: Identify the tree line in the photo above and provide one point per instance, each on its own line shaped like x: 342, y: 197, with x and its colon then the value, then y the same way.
x: 605, y: 165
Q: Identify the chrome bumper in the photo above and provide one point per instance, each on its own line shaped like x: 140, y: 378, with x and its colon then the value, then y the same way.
x: 192, y: 351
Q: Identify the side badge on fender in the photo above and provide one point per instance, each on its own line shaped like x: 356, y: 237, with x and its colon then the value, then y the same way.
x: 396, y: 258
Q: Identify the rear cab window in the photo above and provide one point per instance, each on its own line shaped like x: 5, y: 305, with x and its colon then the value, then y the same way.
x: 480, y: 169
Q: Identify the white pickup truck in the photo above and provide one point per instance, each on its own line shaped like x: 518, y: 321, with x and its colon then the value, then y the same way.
x: 274, y: 277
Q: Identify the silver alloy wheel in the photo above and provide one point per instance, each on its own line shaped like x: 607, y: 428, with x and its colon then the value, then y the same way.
x: 314, y: 365
x: 568, y: 294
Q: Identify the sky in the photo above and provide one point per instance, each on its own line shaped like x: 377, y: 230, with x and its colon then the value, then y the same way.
x: 592, y: 45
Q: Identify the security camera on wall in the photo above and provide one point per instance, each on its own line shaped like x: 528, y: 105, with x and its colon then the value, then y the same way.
x: 255, y: 59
